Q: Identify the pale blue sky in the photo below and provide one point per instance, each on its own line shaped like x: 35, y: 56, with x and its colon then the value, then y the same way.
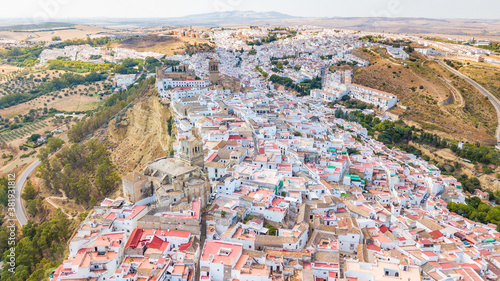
x: 27, y: 9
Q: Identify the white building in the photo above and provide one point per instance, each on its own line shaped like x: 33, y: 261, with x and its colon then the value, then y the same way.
x: 397, y: 53
x: 124, y: 80
x: 219, y: 258
x: 167, y: 83
x: 330, y: 95
x: 182, y: 92
x: 429, y: 52
x: 372, y: 96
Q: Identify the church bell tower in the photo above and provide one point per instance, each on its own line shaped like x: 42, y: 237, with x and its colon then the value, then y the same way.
x: 213, y: 70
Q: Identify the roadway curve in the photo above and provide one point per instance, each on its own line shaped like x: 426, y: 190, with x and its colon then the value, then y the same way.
x: 20, y: 212
x: 457, y: 96
x: 494, y: 101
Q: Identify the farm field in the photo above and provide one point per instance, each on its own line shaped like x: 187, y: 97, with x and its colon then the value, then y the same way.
x: 74, y: 102
x: 77, y: 98
x: 7, y: 71
x: 23, y: 131
x: 10, y: 142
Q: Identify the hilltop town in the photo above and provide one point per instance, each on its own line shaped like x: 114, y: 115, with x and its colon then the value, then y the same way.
x: 277, y: 171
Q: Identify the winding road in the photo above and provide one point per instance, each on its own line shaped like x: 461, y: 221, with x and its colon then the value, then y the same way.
x: 494, y: 100
x: 20, y: 211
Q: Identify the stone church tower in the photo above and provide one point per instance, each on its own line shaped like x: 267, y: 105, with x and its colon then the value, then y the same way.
x: 192, y: 149
x: 213, y: 69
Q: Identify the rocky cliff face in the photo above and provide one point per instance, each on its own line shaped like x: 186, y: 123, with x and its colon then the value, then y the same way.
x: 139, y: 135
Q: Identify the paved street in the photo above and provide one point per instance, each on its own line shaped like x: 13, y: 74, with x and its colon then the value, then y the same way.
x: 20, y: 212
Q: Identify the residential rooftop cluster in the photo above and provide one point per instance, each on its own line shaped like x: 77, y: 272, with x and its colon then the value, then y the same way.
x: 267, y: 185
x: 87, y: 53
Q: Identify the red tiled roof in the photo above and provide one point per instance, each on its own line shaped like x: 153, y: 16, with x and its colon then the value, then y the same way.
x: 384, y: 229
x: 374, y: 248
x: 436, y: 234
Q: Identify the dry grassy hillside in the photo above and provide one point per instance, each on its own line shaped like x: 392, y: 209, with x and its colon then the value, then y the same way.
x: 168, y: 45
x: 486, y: 75
x: 435, y: 99
x: 140, y: 135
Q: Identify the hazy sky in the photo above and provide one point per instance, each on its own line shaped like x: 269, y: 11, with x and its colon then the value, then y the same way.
x: 63, y: 9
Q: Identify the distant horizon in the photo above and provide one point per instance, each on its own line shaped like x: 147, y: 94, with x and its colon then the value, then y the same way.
x: 25, y: 21
x: 50, y: 10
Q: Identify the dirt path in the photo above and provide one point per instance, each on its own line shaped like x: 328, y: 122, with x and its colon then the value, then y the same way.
x: 456, y: 94
x: 49, y: 200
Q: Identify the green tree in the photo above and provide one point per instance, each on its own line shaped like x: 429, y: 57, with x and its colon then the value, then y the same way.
x: 35, y: 206
x: 4, y: 189
x: 53, y: 144
x: 38, y: 248
x: 151, y: 63
x: 29, y: 192
x: 93, y: 202
x: 272, y: 230
x: 170, y: 122
x: 79, y: 169
x: 34, y: 137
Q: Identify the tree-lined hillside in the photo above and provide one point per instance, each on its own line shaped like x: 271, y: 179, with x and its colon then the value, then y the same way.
x: 80, y: 170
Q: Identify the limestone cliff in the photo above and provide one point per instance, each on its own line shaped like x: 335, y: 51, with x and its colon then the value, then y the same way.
x: 139, y: 134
